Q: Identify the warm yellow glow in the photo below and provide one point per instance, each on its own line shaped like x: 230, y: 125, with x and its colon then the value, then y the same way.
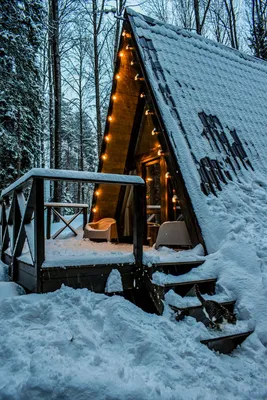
x: 167, y: 175
x: 110, y: 118
x: 121, y: 54
x: 114, y: 97
x: 126, y: 34
x: 97, y: 193
x: 129, y: 47
x: 132, y: 62
x: 94, y: 210
x: 104, y: 156
x: 107, y: 138
x: 160, y: 153
x: 149, y: 112
x: 138, y: 77
x: 174, y: 198
x: 117, y: 76
x: 149, y: 179
x: 142, y: 95
x: 154, y: 131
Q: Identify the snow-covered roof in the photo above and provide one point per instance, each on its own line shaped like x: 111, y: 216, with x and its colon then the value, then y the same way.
x: 213, y: 102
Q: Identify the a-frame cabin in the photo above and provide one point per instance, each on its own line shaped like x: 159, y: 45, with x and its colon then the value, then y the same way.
x: 136, y: 142
x: 185, y: 114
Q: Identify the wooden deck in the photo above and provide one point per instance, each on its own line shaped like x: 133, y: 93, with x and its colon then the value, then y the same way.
x: 22, y: 225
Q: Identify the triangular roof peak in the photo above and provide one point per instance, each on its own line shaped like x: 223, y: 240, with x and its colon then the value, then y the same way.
x: 162, y: 28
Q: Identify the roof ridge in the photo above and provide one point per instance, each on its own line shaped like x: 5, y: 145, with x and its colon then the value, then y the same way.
x: 188, y: 33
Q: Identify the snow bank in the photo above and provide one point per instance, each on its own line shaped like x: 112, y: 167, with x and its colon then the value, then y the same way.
x: 78, y: 344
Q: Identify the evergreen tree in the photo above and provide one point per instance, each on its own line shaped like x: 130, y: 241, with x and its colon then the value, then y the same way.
x: 20, y: 87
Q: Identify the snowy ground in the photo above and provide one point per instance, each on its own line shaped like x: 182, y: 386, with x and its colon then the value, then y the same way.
x: 74, y: 344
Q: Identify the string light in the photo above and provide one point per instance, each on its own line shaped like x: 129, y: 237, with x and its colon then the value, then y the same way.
x: 94, y: 210
x: 160, y: 153
x: 154, y: 131
x: 138, y: 77
x: 167, y: 175
x: 126, y: 34
x: 104, y: 156
x: 149, y: 112
x: 110, y: 118
x: 174, y: 198
x: 149, y: 179
x: 117, y: 76
x: 129, y: 47
x: 121, y: 54
x: 97, y: 193
x: 133, y: 62
x: 114, y: 97
x: 142, y: 95
x: 107, y: 138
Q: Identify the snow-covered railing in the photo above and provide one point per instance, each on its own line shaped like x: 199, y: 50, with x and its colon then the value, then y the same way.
x: 23, y: 219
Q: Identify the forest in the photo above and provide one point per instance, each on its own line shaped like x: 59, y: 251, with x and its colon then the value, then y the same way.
x: 56, y: 70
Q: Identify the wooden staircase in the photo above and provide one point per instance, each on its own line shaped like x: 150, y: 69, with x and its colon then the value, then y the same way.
x: 222, y: 344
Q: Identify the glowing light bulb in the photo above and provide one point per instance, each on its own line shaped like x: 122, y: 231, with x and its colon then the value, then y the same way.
x: 114, y: 97
x: 121, y: 54
x: 154, y: 131
x: 110, y: 118
x: 97, y: 193
x: 94, y: 210
x: 107, y: 138
x: 118, y: 76
x: 142, y: 95
x: 104, y: 156
x: 160, y: 153
x: 149, y: 179
x: 167, y: 175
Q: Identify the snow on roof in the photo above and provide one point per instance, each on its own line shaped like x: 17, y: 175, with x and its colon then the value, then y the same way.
x: 213, y: 102
x: 70, y: 175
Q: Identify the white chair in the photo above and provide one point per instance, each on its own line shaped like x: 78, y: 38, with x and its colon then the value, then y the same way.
x: 173, y: 233
x: 104, y: 229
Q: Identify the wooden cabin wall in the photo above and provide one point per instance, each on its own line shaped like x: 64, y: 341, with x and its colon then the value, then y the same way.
x: 119, y: 132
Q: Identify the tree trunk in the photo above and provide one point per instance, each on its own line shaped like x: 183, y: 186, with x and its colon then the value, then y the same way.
x: 57, y: 91
x: 96, y: 75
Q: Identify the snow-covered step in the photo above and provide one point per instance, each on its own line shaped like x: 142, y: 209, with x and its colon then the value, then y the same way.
x: 187, y: 288
x: 176, y: 268
x: 226, y: 344
x: 197, y: 312
x: 178, y: 301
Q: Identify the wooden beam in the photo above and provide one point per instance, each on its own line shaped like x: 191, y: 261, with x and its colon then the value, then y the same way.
x: 39, y: 234
x: 138, y: 224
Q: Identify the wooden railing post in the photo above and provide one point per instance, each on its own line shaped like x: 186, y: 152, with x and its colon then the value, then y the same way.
x: 138, y: 224
x: 16, y: 221
x: 39, y: 231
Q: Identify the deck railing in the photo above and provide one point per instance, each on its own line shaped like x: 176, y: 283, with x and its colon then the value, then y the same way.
x: 22, y: 219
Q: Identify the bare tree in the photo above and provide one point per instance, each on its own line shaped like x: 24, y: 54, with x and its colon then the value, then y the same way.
x: 257, y: 17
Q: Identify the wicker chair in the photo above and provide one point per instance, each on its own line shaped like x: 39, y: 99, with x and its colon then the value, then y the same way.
x: 104, y: 229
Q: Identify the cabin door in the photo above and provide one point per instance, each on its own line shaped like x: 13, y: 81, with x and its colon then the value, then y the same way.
x: 154, y: 173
